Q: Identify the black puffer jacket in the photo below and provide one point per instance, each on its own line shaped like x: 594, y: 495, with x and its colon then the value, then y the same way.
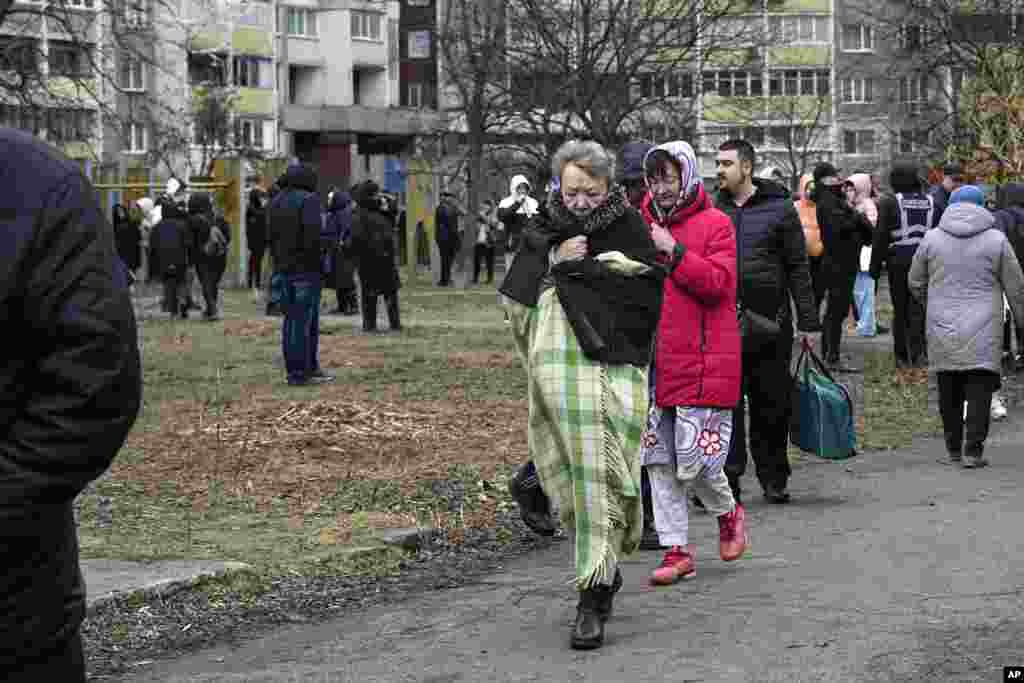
x: 293, y: 223
x: 373, y: 242
x: 201, y: 219
x: 772, y: 254
x: 171, y: 241
x: 843, y: 232
x: 256, y: 221
x: 70, y: 382
x: 1010, y: 216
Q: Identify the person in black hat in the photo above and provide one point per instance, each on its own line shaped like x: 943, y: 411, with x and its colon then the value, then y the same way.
x: 952, y: 180
x: 843, y: 232
x: 633, y: 155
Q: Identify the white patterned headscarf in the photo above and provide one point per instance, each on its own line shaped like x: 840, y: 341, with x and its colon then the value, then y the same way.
x: 689, y: 172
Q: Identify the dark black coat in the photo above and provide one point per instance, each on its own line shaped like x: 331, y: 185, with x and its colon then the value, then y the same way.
x: 70, y: 382
x: 772, y: 255
x: 294, y: 223
x: 171, y: 241
x: 201, y: 219
x: 256, y: 222
x: 128, y: 237
x: 446, y: 225
x: 1010, y: 216
x: 614, y: 317
x: 844, y: 231
x: 373, y: 243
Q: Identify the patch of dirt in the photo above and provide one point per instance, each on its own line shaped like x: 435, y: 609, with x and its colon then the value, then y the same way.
x: 299, y: 450
x: 251, y: 328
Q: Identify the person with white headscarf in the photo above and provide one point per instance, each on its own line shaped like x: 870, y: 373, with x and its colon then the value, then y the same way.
x: 696, y: 374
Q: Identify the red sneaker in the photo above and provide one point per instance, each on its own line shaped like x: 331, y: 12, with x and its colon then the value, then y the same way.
x: 678, y: 564
x: 732, y: 534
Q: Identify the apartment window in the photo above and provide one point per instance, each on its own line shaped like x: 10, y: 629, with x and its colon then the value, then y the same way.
x: 414, y: 95
x: 418, y: 3
x: 913, y: 89
x: 799, y: 29
x: 249, y: 133
x: 671, y: 85
x: 135, y: 13
x: 418, y: 45
x: 81, y: 4
x: 135, y: 137
x: 23, y: 118
x: 205, y: 69
x: 913, y: 37
x: 680, y: 85
x: 859, y: 142
x: 791, y: 83
x: 132, y: 73
x: 733, y: 83
x: 858, y: 38
x: 18, y: 54
x: 858, y: 90
x: 301, y: 22
x: 69, y: 125
x: 68, y: 59
x: 251, y: 72
x: 366, y: 25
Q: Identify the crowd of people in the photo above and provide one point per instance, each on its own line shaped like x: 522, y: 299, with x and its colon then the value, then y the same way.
x: 655, y: 319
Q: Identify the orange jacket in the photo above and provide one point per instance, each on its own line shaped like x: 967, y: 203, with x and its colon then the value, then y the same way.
x: 809, y: 219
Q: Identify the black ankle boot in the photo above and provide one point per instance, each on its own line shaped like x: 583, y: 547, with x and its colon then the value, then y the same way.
x: 593, y: 610
x: 534, y: 505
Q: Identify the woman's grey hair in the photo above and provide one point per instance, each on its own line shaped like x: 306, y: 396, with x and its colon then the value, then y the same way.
x: 589, y: 155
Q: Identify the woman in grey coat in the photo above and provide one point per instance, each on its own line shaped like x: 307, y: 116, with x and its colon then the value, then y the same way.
x: 961, y: 272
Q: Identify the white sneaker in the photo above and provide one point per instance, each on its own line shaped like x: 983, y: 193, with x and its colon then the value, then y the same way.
x: 998, y: 408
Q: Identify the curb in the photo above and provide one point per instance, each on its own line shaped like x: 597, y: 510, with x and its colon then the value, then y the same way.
x: 161, y: 589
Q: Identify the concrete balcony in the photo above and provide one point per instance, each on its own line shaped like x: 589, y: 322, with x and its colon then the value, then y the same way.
x: 800, y: 56
x: 255, y: 102
x: 369, y: 54
x: 802, y: 6
x: 356, y: 119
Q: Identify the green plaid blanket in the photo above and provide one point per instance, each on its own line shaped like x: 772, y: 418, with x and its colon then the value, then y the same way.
x: 586, y: 420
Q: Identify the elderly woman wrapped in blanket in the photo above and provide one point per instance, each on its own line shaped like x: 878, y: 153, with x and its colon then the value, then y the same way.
x: 586, y: 288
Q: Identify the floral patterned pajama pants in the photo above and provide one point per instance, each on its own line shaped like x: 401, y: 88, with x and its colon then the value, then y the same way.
x: 684, y: 450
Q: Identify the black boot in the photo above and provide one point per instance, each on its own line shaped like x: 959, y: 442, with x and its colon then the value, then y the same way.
x: 593, y: 610
x: 534, y: 506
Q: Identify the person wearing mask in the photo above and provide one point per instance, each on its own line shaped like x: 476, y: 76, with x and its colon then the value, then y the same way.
x: 772, y: 257
x: 213, y: 237
x: 963, y: 272
x: 843, y: 232
x: 72, y: 387
x: 858, y: 195
x: 487, y: 227
x: 293, y: 234
x: 903, y: 220
x: 696, y: 373
x: 446, y: 225
x: 952, y: 180
x: 812, y: 237
x: 339, y: 222
x: 634, y: 182
x: 373, y: 243
x: 586, y: 285
x: 256, y: 236
x: 172, y: 246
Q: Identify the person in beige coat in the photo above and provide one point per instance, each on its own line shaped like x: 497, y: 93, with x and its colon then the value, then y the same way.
x: 961, y: 272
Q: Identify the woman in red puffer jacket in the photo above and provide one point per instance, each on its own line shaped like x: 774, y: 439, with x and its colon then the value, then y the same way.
x: 696, y: 374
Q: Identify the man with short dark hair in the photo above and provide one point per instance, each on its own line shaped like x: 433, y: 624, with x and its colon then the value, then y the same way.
x: 952, y: 180
x: 72, y: 386
x: 773, y: 266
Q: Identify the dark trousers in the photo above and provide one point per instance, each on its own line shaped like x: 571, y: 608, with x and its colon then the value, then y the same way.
x: 841, y: 279
x: 255, y: 268
x: 907, y: 316
x: 345, y: 282
x: 976, y: 388
x: 447, y: 252
x: 43, y: 595
x: 766, y: 382
x: 210, y: 273
x: 483, y: 254
x: 300, y: 334
x: 370, y: 311
x: 176, y: 294
x: 817, y: 280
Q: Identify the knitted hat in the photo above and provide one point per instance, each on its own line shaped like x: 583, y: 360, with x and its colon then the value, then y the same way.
x: 968, y: 194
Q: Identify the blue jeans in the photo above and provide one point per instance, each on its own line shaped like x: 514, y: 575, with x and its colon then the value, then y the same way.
x: 300, y: 335
x: 864, y: 296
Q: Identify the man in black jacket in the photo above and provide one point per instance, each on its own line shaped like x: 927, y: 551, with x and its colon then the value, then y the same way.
x: 773, y: 266
x: 1010, y: 220
x: 843, y: 232
x: 293, y: 233
x: 71, y: 384
x: 446, y: 234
